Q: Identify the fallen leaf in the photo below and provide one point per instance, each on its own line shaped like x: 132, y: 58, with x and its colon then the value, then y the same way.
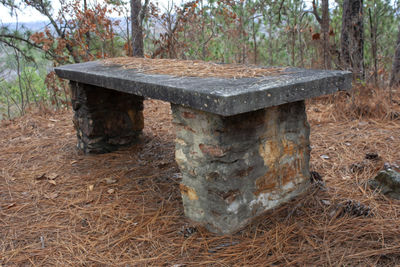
x: 325, y: 202
x: 11, y: 205
x: 332, y: 213
x: 73, y: 162
x: 51, y: 195
x: 52, y: 182
x: 90, y: 187
x: 52, y: 176
x: 110, y: 191
x: 110, y: 180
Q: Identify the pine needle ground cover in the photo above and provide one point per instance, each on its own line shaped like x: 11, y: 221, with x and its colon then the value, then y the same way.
x: 61, y: 208
x: 193, y: 68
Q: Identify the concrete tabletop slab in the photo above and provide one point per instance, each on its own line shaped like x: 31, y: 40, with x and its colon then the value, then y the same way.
x: 222, y: 96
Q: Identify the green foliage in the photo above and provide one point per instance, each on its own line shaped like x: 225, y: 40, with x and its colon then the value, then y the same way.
x: 380, y: 16
x: 22, y: 81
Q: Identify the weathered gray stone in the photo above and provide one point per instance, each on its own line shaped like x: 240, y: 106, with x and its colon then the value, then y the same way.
x: 237, y: 167
x: 105, y: 119
x: 221, y: 96
x: 388, y: 181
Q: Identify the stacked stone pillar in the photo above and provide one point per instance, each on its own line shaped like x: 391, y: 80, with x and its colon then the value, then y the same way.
x: 237, y: 167
x: 105, y: 119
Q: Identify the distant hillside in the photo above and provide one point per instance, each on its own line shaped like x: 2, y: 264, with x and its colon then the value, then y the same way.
x: 40, y: 25
x: 32, y: 26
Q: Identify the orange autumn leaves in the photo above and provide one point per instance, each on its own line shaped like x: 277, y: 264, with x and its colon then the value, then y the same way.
x: 78, y: 34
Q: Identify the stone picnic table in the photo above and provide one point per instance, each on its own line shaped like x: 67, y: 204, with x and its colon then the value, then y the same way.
x: 242, y: 144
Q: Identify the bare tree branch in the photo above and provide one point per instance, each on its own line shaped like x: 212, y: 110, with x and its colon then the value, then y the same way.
x: 315, y: 12
x: 172, y: 31
x: 143, y: 11
x: 279, y: 10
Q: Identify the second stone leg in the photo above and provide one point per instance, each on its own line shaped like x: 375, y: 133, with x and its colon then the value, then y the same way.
x: 104, y: 119
x: 236, y: 167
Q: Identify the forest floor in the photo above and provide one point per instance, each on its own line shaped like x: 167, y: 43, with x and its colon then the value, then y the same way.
x: 61, y: 208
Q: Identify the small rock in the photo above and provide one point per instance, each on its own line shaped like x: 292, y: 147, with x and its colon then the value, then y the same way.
x: 388, y: 181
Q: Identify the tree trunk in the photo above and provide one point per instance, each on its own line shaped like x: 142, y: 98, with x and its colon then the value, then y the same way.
x: 254, y: 41
x: 301, y: 46
x: 137, y: 31
x: 373, y: 28
x: 395, y: 79
x: 325, y: 33
x: 324, y: 24
x: 87, y: 34
x: 270, y: 44
x: 352, y: 38
x: 128, y: 38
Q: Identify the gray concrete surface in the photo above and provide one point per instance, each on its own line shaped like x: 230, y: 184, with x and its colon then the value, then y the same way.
x: 221, y: 96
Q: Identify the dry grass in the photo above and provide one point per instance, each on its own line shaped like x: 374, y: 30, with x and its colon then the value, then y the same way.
x: 61, y: 208
x: 364, y: 101
x: 192, y: 68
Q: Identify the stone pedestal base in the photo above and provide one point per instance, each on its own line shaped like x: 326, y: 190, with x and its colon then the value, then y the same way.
x: 237, y: 167
x: 105, y: 119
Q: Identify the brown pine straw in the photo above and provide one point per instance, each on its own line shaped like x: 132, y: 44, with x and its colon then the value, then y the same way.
x: 57, y: 209
x: 192, y: 68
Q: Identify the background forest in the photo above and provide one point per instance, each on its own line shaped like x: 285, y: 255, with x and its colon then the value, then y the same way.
x: 361, y: 36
